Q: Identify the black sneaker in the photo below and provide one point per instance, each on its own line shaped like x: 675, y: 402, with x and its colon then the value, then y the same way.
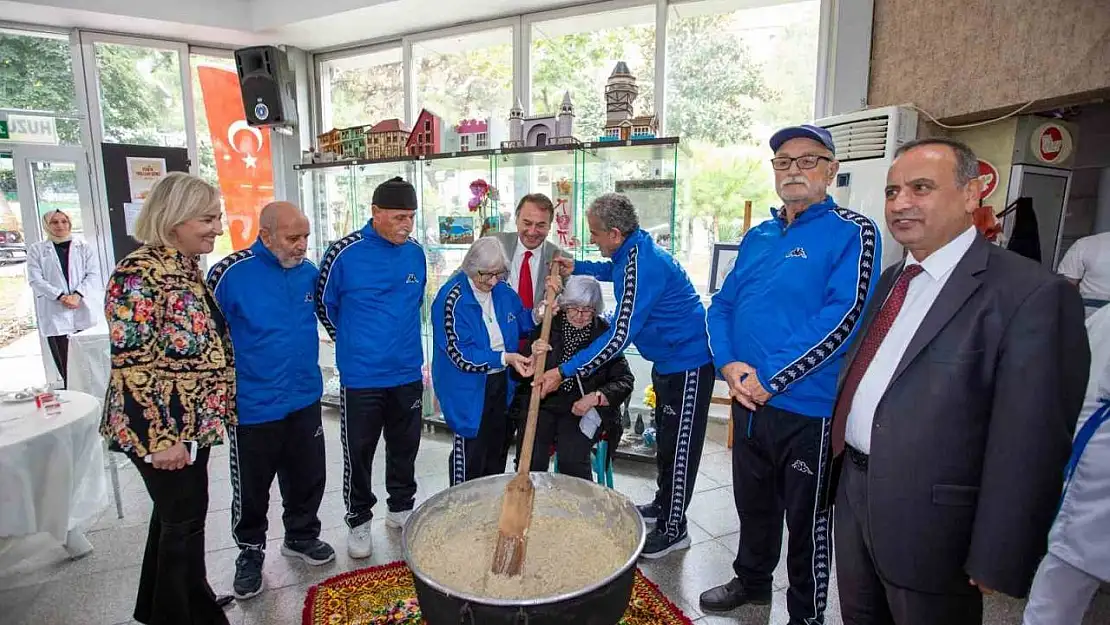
x: 248, y: 573
x: 649, y: 511
x: 731, y: 596
x: 658, y: 544
x: 313, y: 551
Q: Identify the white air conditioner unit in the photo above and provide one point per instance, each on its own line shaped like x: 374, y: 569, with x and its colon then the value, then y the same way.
x: 865, y: 145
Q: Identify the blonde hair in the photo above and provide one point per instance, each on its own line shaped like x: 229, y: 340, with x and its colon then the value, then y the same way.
x: 173, y: 200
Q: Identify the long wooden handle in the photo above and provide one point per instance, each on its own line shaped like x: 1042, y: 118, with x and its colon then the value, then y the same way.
x: 529, y: 440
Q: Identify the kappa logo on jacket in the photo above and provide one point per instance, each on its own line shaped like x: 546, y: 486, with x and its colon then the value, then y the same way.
x: 797, y: 252
x: 308, y: 297
x: 412, y: 279
x: 801, y: 467
x: 511, y: 318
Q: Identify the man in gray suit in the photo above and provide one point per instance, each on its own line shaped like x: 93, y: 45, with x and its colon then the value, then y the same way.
x: 530, y: 254
x: 956, y: 409
x: 534, y: 214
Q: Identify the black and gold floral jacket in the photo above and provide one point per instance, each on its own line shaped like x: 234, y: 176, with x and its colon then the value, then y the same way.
x: 173, y: 374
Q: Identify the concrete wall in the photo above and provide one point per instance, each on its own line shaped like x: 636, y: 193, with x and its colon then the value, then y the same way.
x: 960, y: 59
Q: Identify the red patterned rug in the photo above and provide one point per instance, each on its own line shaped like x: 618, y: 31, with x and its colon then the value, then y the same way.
x: 384, y: 595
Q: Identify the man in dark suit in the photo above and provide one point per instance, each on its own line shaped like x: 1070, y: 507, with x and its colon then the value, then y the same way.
x: 957, y: 405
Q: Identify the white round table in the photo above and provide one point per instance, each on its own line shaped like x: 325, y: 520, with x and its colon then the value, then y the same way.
x: 51, y: 467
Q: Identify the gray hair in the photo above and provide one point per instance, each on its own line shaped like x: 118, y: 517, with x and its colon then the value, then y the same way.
x: 614, y: 210
x: 486, y: 254
x: 967, y: 164
x: 582, y: 291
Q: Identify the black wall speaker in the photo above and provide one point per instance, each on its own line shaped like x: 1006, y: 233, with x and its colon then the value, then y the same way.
x: 269, y: 91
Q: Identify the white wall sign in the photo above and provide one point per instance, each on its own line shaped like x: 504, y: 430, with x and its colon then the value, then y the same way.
x: 32, y: 129
x: 1051, y: 143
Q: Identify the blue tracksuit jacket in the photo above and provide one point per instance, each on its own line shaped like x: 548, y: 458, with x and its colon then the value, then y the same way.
x: 793, y: 301
x: 462, y: 357
x: 270, y: 313
x: 658, y: 311
x: 368, y: 298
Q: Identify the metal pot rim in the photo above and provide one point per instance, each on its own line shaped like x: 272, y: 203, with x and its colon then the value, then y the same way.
x: 539, y: 601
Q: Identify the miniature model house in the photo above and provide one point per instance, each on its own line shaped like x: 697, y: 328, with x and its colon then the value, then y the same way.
x: 352, y: 142
x: 473, y: 135
x: 427, y: 135
x: 328, y: 143
x: 620, y: 96
x: 387, y: 139
x: 541, y: 130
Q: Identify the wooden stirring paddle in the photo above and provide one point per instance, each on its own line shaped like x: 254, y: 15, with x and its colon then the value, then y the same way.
x: 516, y: 505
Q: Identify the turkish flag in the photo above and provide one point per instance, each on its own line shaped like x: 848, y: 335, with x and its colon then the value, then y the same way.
x: 242, y: 154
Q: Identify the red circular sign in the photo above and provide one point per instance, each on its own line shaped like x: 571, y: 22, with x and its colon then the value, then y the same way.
x: 989, y: 176
x: 1050, y: 143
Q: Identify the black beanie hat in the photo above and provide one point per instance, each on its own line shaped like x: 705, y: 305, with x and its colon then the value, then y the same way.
x: 395, y: 193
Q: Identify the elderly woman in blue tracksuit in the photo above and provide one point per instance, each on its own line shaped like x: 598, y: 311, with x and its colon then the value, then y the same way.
x: 478, y: 321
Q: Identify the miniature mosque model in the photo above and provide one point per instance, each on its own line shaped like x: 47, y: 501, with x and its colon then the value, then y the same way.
x: 541, y: 130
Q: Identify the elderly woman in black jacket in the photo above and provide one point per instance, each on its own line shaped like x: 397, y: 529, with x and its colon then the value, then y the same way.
x: 567, y: 417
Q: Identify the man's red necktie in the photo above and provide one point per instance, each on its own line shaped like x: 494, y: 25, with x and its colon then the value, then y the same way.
x: 526, y: 289
x: 867, y: 350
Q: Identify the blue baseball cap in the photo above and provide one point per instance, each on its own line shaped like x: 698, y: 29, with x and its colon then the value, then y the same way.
x: 805, y: 131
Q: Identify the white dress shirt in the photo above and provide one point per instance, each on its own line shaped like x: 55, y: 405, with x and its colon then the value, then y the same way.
x: 518, y: 262
x: 489, y: 316
x: 920, y: 296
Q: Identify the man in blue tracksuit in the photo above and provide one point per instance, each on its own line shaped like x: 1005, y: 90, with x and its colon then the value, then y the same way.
x: 659, y: 311
x: 779, y: 327
x: 266, y: 296
x: 368, y: 298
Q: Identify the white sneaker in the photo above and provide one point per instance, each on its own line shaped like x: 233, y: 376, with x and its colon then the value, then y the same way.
x: 397, y: 520
x: 358, y: 541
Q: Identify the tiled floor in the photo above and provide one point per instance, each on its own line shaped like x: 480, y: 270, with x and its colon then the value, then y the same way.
x: 49, y: 590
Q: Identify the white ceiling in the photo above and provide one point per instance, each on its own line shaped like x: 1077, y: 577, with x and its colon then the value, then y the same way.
x: 310, y: 25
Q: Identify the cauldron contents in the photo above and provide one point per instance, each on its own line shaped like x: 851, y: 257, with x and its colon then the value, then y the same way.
x: 565, y: 554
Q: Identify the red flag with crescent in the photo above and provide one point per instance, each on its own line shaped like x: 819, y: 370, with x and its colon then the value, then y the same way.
x: 243, y: 163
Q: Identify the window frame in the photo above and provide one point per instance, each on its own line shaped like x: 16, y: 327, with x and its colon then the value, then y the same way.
x: 833, y: 13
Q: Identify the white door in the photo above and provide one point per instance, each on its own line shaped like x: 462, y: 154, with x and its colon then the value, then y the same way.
x: 51, y: 178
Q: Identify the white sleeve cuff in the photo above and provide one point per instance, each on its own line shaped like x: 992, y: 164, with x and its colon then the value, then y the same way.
x: 502, y: 359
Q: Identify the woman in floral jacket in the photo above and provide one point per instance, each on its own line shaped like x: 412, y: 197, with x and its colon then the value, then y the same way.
x: 171, y: 393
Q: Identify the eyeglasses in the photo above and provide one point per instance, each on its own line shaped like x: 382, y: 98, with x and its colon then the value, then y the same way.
x: 580, y: 310
x: 492, y: 275
x: 782, y: 163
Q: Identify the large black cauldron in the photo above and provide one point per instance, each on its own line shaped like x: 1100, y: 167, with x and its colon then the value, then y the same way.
x: 603, y: 603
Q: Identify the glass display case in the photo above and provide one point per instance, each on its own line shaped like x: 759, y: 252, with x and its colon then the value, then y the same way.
x: 337, y: 198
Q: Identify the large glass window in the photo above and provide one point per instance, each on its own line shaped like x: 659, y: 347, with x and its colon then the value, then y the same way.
x: 466, y: 77
x: 140, y: 95
x: 734, y: 76
x: 37, y: 88
x: 361, y: 90
x: 579, y: 54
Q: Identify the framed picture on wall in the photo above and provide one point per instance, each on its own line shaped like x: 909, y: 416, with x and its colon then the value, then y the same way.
x: 724, y: 257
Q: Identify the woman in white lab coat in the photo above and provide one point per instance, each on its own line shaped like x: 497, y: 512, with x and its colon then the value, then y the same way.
x: 1078, y: 558
x: 63, y: 274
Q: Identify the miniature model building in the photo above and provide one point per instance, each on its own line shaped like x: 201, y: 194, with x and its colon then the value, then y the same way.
x: 541, y: 130
x: 620, y: 95
x: 352, y: 142
x: 473, y: 135
x: 328, y: 143
x: 427, y: 135
x: 387, y: 139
